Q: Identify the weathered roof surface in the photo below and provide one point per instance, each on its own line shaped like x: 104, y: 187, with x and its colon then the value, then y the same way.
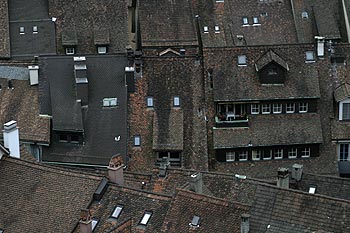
x: 84, y: 17
x: 266, y: 130
x: 4, y: 29
x: 101, y: 37
x: 135, y: 203
x: 69, y: 37
x: 168, y: 131
x: 216, y: 215
x: 269, y: 57
x: 238, y: 83
x: 21, y: 104
x: 41, y: 198
x: 24, y: 10
x: 13, y: 72
x: 340, y: 130
x: 106, y: 75
x: 171, y: 23
x: 342, y: 92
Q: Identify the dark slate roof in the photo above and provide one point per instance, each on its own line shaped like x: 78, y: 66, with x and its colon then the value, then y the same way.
x: 41, y: 198
x: 21, y: 104
x: 84, y: 17
x: 275, y: 28
x: 169, y: 24
x: 135, y: 203
x: 241, y: 83
x: 266, y: 130
x: 168, y: 132
x: 69, y: 38
x: 106, y: 77
x: 20, y: 10
x: 101, y: 37
x: 13, y: 72
x: 216, y: 215
x: 269, y: 57
x: 340, y: 130
x: 342, y: 92
x: 4, y: 29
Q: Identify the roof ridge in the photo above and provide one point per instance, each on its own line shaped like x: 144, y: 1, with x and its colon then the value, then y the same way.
x: 140, y: 191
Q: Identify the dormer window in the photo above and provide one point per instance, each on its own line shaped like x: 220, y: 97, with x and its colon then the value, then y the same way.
x: 35, y: 29
x: 290, y: 108
x: 21, y: 30
x: 101, y: 49
x: 256, y: 20
x: 304, y: 15
x: 309, y: 56
x: 245, y: 21
x: 303, y: 107
x: 94, y: 224
x: 176, y: 101
x: 70, y: 50
x: 242, y: 60
x: 217, y: 29
x: 195, y: 221
x: 206, y: 29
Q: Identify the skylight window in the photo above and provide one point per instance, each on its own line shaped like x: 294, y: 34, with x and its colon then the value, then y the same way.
x: 312, y: 189
x: 35, y: 29
x: 206, y: 29
x: 149, y: 101
x: 137, y: 140
x: 21, y: 30
x: 176, y: 101
x: 245, y: 21
x: 94, y: 224
x: 304, y: 15
x: 110, y: 102
x: 217, y: 29
x: 242, y: 60
x: 309, y: 56
x: 195, y: 221
x: 256, y: 20
x: 117, y: 211
x: 145, y: 219
x: 101, y: 49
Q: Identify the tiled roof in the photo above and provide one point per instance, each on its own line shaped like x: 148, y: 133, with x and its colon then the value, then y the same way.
x: 41, y: 198
x: 171, y: 23
x: 21, y: 104
x: 4, y: 29
x: 269, y: 57
x: 265, y: 130
x: 342, y: 92
x: 106, y: 76
x: 84, y: 17
x: 168, y: 132
x: 235, y: 83
x: 340, y: 130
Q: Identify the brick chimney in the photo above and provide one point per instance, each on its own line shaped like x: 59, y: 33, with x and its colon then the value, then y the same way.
x: 196, y: 182
x: 115, y: 170
x: 283, y: 177
x: 85, y: 222
x: 245, y: 225
x: 163, y: 167
x: 11, y: 138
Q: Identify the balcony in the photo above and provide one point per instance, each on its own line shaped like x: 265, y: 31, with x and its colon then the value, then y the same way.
x: 231, y: 120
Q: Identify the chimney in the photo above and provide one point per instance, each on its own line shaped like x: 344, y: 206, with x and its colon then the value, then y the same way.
x: 115, y: 170
x: 196, y: 182
x: 320, y: 46
x: 129, y: 79
x: 283, y: 178
x: 33, y: 75
x: 85, y: 222
x: 163, y: 167
x: 11, y: 138
x: 81, y: 79
x: 297, y: 172
x: 245, y: 223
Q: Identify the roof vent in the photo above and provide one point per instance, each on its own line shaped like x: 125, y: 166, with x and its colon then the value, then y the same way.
x: 297, y: 172
x: 196, y: 182
x: 195, y: 221
x: 241, y: 177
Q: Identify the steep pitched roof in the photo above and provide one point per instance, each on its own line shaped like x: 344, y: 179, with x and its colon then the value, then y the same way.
x: 47, y: 198
x: 268, y: 130
x: 4, y: 29
x: 21, y: 104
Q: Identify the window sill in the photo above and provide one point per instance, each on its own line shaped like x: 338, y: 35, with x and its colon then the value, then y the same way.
x: 311, y: 61
x: 242, y: 65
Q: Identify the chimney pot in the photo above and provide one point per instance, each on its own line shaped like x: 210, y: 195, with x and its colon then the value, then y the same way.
x: 85, y: 222
x: 196, y: 182
x: 283, y: 178
x: 297, y: 172
x: 11, y: 138
x: 115, y: 170
x: 245, y: 223
x: 163, y: 167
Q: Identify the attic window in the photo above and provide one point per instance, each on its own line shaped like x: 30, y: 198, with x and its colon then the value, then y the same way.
x: 217, y: 29
x: 206, y: 29
x: 110, y: 102
x: 263, y: 14
x: 21, y: 30
x: 150, y: 102
x: 70, y: 51
x: 309, y: 56
x: 117, y: 211
x: 242, y: 60
x: 145, y: 219
x: 137, y: 140
x: 312, y: 189
x: 35, y: 29
x: 101, y: 49
x: 176, y: 101
x: 256, y: 21
x: 195, y: 221
x: 94, y: 224
x: 304, y: 15
x: 245, y: 21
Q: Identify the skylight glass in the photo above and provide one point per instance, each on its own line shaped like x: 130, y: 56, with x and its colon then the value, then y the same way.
x: 118, y: 209
x: 146, y: 218
x: 93, y: 224
x: 312, y: 190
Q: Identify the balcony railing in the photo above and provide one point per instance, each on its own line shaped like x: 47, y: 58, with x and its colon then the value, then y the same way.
x: 231, y: 120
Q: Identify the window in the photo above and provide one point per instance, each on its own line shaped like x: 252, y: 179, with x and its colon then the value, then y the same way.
x: 117, y: 211
x: 110, y: 102
x: 195, y: 221
x: 94, y: 224
x: 206, y: 29
x: 277, y: 108
x: 266, y: 109
x: 305, y: 153
x: 245, y: 21
x: 309, y: 56
x: 63, y: 138
x: 70, y: 50
x: 137, y: 140
x: 263, y: 14
x: 74, y: 138
x: 101, y: 49
x: 145, y: 219
x: 150, y: 102
x: 35, y: 29
x: 242, y: 60
x: 267, y: 155
x: 278, y: 153
x: 255, y: 20
x: 230, y: 156
x: 176, y: 101
x: 243, y: 156
x: 304, y: 15
x: 345, y: 111
x: 21, y: 30
x: 343, y: 152
x: 312, y: 189
x: 173, y: 156
x: 303, y: 107
x: 292, y: 153
x: 290, y: 108
x: 69, y: 138
x: 256, y: 154
x: 255, y: 108
x: 217, y: 29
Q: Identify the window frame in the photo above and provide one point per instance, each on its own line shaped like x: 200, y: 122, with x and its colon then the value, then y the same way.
x: 275, y: 107
x: 35, y: 29
x: 217, y: 29
x: 22, y: 30
x: 176, y: 101
x: 306, y: 152
x: 245, y: 21
x: 110, y: 102
x: 243, y: 153
x: 266, y: 106
x: 309, y: 56
x: 255, y: 107
x: 256, y: 20
x: 340, y: 157
x: 269, y: 153
x: 230, y: 154
x: 70, y: 50
x: 291, y: 105
x: 115, y: 209
x: 292, y: 153
x: 147, y: 219
x: 149, y: 102
x: 278, y: 153
x: 242, y: 60
x: 137, y: 140
x: 206, y: 29
x: 304, y: 106
x: 99, y: 51
x: 343, y: 113
x: 254, y: 155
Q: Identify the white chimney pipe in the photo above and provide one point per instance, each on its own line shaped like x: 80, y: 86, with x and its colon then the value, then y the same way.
x: 11, y: 138
x: 33, y: 75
